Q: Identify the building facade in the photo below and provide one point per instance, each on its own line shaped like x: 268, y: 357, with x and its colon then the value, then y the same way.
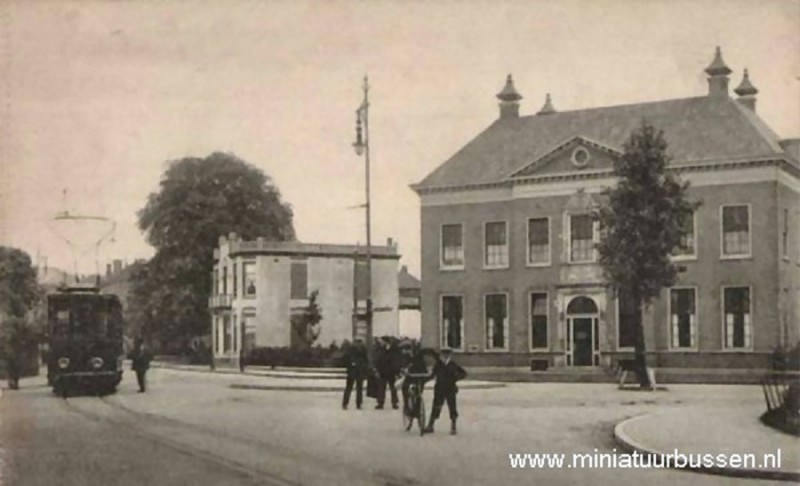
x: 259, y: 285
x: 510, y: 274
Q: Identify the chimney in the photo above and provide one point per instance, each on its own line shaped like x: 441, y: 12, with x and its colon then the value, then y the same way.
x: 718, y: 76
x: 117, y: 266
x: 747, y: 92
x: 509, y: 100
x: 547, y: 109
x: 108, y: 269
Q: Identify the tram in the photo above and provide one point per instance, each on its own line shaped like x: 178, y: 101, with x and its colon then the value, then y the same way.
x: 85, y: 331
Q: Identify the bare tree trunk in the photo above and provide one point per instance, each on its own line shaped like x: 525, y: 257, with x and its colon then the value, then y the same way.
x: 640, y: 359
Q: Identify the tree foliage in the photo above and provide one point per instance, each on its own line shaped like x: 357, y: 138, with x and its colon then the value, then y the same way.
x: 19, y: 290
x: 305, y: 326
x: 642, y: 224
x: 19, y: 294
x: 199, y: 200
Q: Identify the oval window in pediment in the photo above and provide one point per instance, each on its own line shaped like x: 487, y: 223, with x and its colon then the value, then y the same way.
x: 580, y: 157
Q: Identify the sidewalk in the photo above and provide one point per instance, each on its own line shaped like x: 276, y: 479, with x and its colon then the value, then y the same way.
x: 298, y: 379
x: 713, y: 430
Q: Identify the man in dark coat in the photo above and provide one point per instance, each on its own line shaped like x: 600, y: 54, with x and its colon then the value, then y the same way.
x: 447, y: 372
x: 140, y: 363
x: 357, y: 366
x: 388, y: 365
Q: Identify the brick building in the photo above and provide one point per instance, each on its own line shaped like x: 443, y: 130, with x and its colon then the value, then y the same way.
x: 509, y: 268
x: 258, y: 286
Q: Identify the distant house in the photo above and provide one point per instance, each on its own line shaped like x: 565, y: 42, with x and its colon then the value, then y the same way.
x: 509, y: 266
x: 258, y: 286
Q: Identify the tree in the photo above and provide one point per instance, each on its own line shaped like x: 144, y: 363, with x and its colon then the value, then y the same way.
x: 199, y: 200
x: 19, y: 289
x: 19, y: 293
x: 305, y: 326
x: 641, y: 226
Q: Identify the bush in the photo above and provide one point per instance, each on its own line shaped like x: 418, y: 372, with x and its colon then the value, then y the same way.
x: 315, y: 357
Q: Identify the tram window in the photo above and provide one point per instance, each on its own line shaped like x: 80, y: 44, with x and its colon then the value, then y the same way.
x: 61, y: 325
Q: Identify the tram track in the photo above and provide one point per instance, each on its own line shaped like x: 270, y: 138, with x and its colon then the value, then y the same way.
x: 188, y: 439
x: 135, y: 428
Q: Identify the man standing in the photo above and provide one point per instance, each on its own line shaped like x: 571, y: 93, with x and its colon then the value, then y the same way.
x: 356, y: 371
x: 387, y: 363
x: 140, y: 358
x: 447, y: 372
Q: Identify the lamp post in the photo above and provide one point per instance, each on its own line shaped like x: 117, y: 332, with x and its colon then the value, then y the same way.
x: 361, y: 146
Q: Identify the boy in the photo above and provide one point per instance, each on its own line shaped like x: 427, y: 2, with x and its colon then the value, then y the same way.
x: 447, y: 372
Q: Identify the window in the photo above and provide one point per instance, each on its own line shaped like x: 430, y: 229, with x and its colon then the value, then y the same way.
x: 299, y: 280
x: 452, y: 321
x: 249, y: 282
x: 738, y: 328
x: 539, y: 241
x: 581, y: 238
x: 235, y: 281
x: 215, y: 276
x: 785, y: 234
x: 736, y: 230
x: 226, y: 333
x: 496, y: 321
x: 538, y: 320
x: 234, y: 328
x: 452, y: 246
x: 495, y: 245
x: 224, y: 280
x: 686, y: 248
x: 628, y: 315
x: 682, y: 318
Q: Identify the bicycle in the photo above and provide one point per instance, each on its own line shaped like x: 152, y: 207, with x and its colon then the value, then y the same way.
x: 414, y: 408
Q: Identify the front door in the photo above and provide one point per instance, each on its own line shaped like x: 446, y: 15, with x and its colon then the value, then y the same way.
x: 582, y: 341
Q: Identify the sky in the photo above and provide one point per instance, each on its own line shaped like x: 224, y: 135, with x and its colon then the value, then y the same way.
x: 97, y: 96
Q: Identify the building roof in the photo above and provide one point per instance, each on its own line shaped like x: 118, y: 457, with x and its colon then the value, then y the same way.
x: 294, y: 248
x: 704, y: 128
x: 407, y: 281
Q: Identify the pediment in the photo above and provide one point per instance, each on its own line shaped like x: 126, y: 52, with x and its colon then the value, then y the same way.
x: 575, y: 155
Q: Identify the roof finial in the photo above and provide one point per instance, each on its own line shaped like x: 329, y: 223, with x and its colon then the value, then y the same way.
x: 746, y: 88
x: 717, y: 66
x: 509, y: 92
x: 548, y: 106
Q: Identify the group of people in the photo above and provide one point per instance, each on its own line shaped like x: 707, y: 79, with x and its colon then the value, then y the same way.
x: 395, y: 359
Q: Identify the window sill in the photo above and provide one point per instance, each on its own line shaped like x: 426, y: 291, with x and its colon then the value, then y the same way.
x: 451, y: 269
x: 539, y: 350
x: 496, y: 267
x: 495, y: 350
x: 736, y: 257
x: 683, y: 258
x: 587, y: 262
x: 683, y: 350
x: 539, y: 265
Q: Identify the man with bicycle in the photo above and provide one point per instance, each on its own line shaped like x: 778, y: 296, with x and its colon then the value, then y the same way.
x: 414, y: 366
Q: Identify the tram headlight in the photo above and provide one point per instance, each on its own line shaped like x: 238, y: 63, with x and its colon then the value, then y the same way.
x: 63, y: 363
x: 96, y: 362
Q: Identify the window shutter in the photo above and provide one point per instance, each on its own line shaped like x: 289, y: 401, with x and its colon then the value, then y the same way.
x: 693, y: 331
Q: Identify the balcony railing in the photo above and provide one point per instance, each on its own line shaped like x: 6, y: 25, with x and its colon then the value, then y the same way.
x: 221, y: 301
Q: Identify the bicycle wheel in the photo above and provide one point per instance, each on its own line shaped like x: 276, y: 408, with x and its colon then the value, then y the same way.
x: 421, y: 415
x: 408, y: 420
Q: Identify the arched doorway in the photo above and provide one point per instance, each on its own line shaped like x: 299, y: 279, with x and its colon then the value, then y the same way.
x: 582, y: 332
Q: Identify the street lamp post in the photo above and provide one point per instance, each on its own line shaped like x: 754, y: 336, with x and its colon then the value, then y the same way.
x: 361, y: 147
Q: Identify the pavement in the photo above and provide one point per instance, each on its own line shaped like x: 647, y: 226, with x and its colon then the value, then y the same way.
x: 699, y: 428
x: 703, y: 433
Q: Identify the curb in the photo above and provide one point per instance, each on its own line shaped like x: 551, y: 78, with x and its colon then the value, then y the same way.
x: 242, y: 386
x: 630, y: 445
